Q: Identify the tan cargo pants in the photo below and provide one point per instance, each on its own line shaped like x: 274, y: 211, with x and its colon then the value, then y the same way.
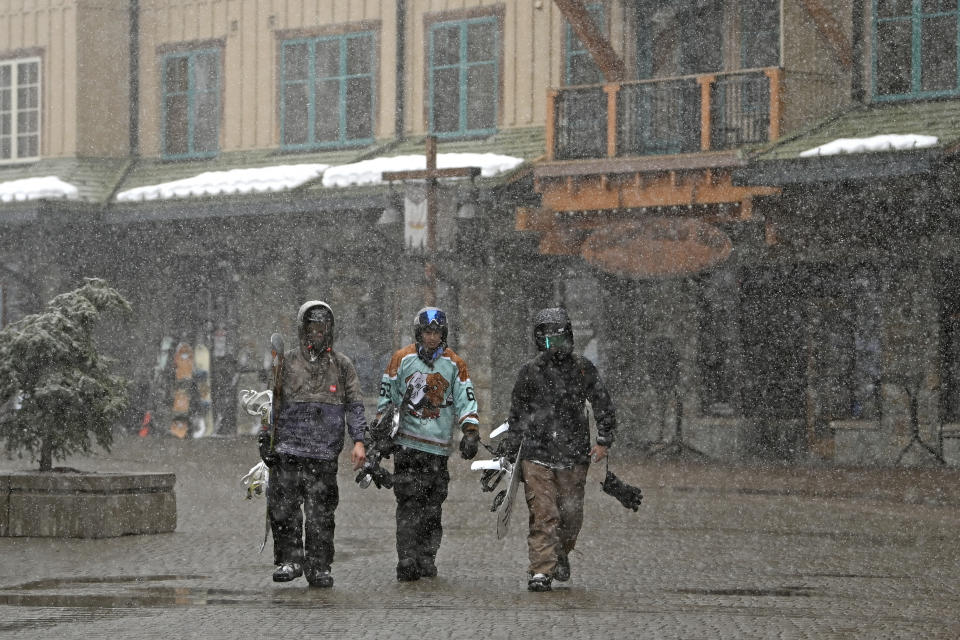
x: 555, y: 501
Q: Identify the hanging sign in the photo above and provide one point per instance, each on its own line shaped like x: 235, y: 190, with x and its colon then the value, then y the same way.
x: 415, y: 215
x: 657, y: 247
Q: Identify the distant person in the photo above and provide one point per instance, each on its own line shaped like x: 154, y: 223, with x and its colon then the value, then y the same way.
x: 441, y: 397
x: 549, y: 427
x: 319, y: 392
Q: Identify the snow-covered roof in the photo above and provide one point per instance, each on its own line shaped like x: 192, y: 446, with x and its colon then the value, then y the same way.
x: 36, y: 189
x: 370, y: 171
x: 284, y: 177
x: 234, y: 181
x: 888, y: 142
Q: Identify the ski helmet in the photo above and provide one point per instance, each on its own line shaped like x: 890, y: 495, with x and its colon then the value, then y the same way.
x: 430, y: 318
x: 320, y: 312
x: 553, y: 331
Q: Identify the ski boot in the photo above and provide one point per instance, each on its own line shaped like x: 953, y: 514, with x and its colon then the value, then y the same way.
x: 407, y: 570
x: 288, y: 571
x: 427, y: 567
x: 561, y: 573
x: 539, y: 582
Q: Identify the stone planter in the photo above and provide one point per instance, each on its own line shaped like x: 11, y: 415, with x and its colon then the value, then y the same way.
x: 86, y: 505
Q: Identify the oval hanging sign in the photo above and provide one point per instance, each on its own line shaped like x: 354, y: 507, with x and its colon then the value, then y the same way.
x: 657, y: 247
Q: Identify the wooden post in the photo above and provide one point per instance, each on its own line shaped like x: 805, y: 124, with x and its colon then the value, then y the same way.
x: 776, y: 100
x: 431, y: 175
x: 551, y: 123
x: 611, y: 90
x: 706, y: 84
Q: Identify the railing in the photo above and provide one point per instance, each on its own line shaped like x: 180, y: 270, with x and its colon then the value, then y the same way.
x: 581, y: 117
x: 688, y: 114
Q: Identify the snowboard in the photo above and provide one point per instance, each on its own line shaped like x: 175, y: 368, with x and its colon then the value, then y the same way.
x: 157, y: 387
x: 182, y: 387
x: 509, y: 496
x: 201, y: 375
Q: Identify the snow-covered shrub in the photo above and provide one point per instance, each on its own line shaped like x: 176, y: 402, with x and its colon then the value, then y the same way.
x: 55, y: 389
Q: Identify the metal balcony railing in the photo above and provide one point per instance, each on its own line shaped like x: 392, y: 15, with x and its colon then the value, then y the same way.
x: 688, y: 114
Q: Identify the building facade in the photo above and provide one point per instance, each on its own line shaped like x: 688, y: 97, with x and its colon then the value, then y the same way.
x: 754, y: 300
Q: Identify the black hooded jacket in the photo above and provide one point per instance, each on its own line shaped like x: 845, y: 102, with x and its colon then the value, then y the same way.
x: 548, y: 409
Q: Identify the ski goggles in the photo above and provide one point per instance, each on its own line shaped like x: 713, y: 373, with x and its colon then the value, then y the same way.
x: 431, y: 317
x: 556, y: 340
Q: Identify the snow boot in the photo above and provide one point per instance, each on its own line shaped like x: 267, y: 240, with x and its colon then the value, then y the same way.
x: 539, y: 582
x: 561, y: 573
x: 427, y: 567
x: 288, y: 571
x: 407, y: 570
x: 320, y: 578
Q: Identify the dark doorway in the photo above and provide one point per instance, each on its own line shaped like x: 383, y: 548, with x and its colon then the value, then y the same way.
x: 774, y: 343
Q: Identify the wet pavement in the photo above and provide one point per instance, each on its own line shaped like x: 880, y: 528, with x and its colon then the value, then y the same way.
x: 714, y: 552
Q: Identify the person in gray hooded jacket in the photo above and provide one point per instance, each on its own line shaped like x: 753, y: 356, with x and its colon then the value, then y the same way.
x: 319, y: 393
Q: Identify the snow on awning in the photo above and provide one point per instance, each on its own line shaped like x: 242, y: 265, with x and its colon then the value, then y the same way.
x: 369, y: 172
x: 889, y: 142
x: 36, y: 189
x: 234, y: 181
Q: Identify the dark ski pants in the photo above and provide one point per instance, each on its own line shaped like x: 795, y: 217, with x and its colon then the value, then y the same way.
x: 420, y: 483
x: 555, y: 502
x: 312, y: 484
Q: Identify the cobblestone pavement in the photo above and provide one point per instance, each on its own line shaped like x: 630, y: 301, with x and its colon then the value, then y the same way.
x: 714, y: 552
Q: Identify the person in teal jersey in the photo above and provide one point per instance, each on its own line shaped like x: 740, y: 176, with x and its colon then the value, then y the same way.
x: 431, y: 386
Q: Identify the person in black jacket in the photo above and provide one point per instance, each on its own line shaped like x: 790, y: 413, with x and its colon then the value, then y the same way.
x: 549, y: 427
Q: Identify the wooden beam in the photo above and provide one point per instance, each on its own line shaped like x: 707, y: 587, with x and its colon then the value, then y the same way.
x: 416, y: 174
x: 830, y: 29
x: 593, y: 39
x: 670, y: 188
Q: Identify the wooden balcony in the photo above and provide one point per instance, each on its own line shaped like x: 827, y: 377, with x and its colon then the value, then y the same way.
x: 664, y: 116
x: 629, y: 162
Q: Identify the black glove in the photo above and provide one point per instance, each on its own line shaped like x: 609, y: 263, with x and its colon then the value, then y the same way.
x: 508, y: 448
x: 469, y: 444
x: 268, y: 456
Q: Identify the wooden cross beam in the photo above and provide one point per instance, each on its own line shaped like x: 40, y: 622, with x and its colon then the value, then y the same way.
x: 431, y: 174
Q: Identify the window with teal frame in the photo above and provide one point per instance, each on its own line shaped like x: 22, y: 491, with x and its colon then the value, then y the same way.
x: 327, y: 91
x: 464, y: 77
x: 190, y: 85
x: 579, y: 67
x: 759, y: 33
x: 915, y: 49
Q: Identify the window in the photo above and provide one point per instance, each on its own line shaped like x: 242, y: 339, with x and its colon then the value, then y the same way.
x: 915, y: 48
x: 19, y: 109
x: 678, y: 37
x: 191, y: 104
x: 759, y: 33
x: 327, y: 91
x: 579, y: 65
x: 464, y: 77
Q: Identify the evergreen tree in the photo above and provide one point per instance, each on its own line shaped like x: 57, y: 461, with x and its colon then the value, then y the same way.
x: 55, y: 389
